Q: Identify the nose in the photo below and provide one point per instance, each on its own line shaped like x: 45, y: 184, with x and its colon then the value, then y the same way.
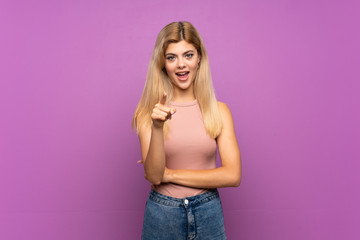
x: 181, y: 63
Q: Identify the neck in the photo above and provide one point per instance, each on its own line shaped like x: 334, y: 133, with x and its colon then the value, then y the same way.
x: 183, y: 97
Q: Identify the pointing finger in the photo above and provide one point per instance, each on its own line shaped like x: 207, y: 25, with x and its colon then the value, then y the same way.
x: 163, y: 99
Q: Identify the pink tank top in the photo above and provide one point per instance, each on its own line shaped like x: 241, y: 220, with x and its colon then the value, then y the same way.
x: 187, y: 146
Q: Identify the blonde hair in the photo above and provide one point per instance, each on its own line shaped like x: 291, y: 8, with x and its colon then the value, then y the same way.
x: 157, y: 80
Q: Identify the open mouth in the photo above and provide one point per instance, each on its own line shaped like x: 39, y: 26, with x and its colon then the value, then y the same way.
x: 182, y: 75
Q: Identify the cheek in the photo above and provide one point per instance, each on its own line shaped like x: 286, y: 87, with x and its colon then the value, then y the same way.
x: 169, y: 68
x: 194, y: 66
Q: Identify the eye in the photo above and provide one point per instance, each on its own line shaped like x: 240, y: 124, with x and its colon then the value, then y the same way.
x: 170, y: 58
x: 189, y: 55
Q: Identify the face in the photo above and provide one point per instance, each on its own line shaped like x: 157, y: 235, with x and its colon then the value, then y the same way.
x: 181, y: 64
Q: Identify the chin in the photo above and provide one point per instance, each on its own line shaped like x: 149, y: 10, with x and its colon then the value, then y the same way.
x: 182, y: 84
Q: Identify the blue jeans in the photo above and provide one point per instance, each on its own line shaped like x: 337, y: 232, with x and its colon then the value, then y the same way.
x: 198, y: 217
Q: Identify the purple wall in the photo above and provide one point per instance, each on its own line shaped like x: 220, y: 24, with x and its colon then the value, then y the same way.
x: 71, y: 74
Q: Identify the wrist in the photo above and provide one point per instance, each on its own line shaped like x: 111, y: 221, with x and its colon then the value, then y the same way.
x: 154, y: 127
x: 168, y: 175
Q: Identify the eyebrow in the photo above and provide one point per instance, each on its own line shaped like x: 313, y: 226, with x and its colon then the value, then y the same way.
x: 183, y: 53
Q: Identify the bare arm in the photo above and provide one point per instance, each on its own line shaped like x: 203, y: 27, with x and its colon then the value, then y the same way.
x: 228, y: 175
x: 152, y: 143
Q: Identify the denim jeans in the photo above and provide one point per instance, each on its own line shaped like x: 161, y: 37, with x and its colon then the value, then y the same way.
x: 196, y: 218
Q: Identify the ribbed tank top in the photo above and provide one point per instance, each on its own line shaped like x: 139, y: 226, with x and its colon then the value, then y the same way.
x: 187, y: 146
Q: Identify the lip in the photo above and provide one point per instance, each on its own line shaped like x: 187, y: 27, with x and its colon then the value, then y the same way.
x: 182, y: 72
x: 183, y: 78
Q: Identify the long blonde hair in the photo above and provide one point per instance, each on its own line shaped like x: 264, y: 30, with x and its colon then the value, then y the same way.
x: 157, y: 80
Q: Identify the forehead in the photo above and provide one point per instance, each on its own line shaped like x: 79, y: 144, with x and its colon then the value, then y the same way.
x: 179, y: 47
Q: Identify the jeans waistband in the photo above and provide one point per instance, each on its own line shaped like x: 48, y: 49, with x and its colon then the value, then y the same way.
x: 177, y: 202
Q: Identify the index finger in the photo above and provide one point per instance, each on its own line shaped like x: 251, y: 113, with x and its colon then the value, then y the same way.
x: 163, y: 99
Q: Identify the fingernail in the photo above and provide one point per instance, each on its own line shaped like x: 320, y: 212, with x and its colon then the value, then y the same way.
x: 172, y: 111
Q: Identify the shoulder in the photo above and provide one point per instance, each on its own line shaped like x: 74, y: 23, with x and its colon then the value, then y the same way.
x: 224, y: 109
x: 226, y: 116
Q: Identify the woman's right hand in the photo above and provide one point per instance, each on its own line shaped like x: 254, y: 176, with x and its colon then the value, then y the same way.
x: 161, y: 112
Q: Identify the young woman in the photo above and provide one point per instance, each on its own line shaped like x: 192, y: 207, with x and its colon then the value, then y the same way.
x: 181, y: 125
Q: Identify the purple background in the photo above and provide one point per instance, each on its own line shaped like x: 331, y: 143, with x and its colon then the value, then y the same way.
x: 72, y: 73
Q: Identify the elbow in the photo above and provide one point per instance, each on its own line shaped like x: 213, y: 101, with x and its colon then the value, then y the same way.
x: 155, y: 182
x: 236, y: 180
x: 152, y: 180
x: 233, y: 177
x: 234, y: 183
x: 237, y: 183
